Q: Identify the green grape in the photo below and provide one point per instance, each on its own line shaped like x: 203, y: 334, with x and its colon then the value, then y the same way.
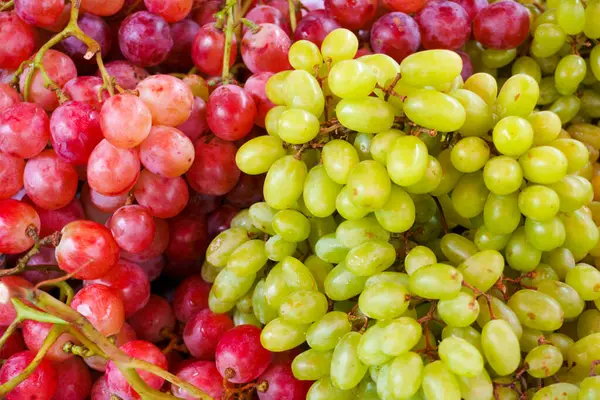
x: 520, y: 254
x: 370, y: 257
x: 257, y: 155
x: 312, y: 365
x: 501, y: 311
x: 557, y: 391
x: 272, y: 121
x: 430, y: 230
x: 484, y: 85
x: 324, y: 334
x: 407, y: 161
x: 296, y: 275
x: 369, y: 347
x: 229, y: 287
x: 435, y: 110
x: 341, y: 284
x: 275, y: 87
x: 566, y: 107
x: 539, y: 202
x: 502, y: 175
x: 319, y: 269
x: 528, y: 66
x: 297, y: 126
x: 284, y: 182
x: 383, y: 66
x: 541, y: 273
x: 478, y: 114
x: 352, y: 233
x: 425, y: 207
x: 241, y: 318
x: 384, y: 391
x: 501, y: 347
x: 339, y: 158
x: 482, y: 269
x: 469, y: 195
x: 544, y: 164
x: 585, y: 279
x: 224, y: 244
x: 244, y: 304
x: 518, y: 96
x: 369, y: 185
x: 280, y: 335
x: 436, y: 281
x: 570, y: 15
x: 351, y: 79
x: 218, y: 306
x: 302, y: 91
x: 384, y: 300
x: 562, y: 342
x: 590, y: 387
x: 243, y: 220
x: 569, y: 73
x: 501, y: 213
x: 417, y: 257
x: 400, y: 335
x: 311, y: 157
x: 261, y: 215
x: 439, y: 383
x: 560, y: 260
x: 590, y: 101
x: 457, y: 248
x: 548, y: 16
x: 209, y: 272
x: 367, y: 390
x: 460, y: 357
x: 362, y: 144
x: 581, y: 233
x: 575, y: 151
x: 470, y: 154
x: 277, y: 248
x: 573, y: 192
x: 323, y: 389
x: 262, y: 310
x: 513, y: 136
x: 530, y: 339
x: 592, y: 15
x: 382, y: 142
x: 548, y: 92
x: 320, y: 192
x: 398, y: 278
x: 346, y: 208
x: 493, y: 58
x: 536, y: 310
x: 248, y: 258
x: 431, y: 180
x: 346, y: 368
x: 430, y: 67
x: 340, y: 44
x: 328, y: 248
x: 545, y: 235
x: 484, y: 239
x: 548, y: 39
x: 477, y: 387
x: 546, y: 127
x: 588, y: 323
x: 291, y: 225
x: 367, y: 114
x: 305, y: 55
x: 450, y: 175
x: 460, y: 311
x: 543, y: 361
x: 595, y: 61
x: 303, y: 307
x: 405, y: 375
x: 582, y: 353
x: 467, y: 333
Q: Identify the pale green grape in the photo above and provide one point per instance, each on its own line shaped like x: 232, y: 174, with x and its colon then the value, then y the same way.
x: 573, y: 191
x: 305, y: 55
x: 582, y: 233
x: 575, y: 151
x: 518, y: 96
x: 400, y: 335
x: 569, y: 73
x: 548, y: 92
x: 570, y: 15
x: 467, y: 333
x: 478, y: 114
x: 544, y: 164
x: 291, y: 225
x: 590, y: 388
x: 284, y: 182
x: 312, y: 365
x: 592, y: 15
x: 369, y: 346
x: 585, y: 279
x: 362, y: 144
x: 539, y: 202
x: 560, y: 260
x: 324, y: 334
x: 431, y: 180
x: 435, y: 110
x: 530, y: 339
x: 277, y: 248
x: 502, y: 175
x: 513, y: 136
x: 501, y: 213
x: 223, y: 245
x: 323, y: 389
x: 257, y: 155
x: 548, y: 39
x: 339, y: 158
x: 595, y: 61
x: 470, y: 154
x: 229, y: 287
x: 582, y: 353
x: 557, y: 391
x: 351, y: 79
x: 244, y: 304
x: 328, y: 248
x: 248, y: 258
x: 566, y: 107
x: 545, y: 235
x: 262, y: 310
x: 520, y: 254
x: 367, y: 389
x: 405, y: 375
x: 398, y: 278
x: 367, y: 114
x: 457, y: 248
x: 588, y: 323
x: 297, y: 126
x: 320, y: 192
x: 276, y: 87
x: 209, y: 272
x: 536, y: 310
x: 382, y: 142
x: 500, y: 347
x: 501, y: 311
x: 241, y: 318
x: 460, y: 311
x: 482, y: 269
x: 383, y: 66
x: 476, y: 388
x: 417, y: 257
x: 352, y: 233
x: 346, y: 368
x: 486, y: 240
x: 436, y: 281
x: 272, y: 120
x: 431, y: 67
x: 346, y: 208
x: 280, y: 335
x: 541, y: 273
x: 450, y: 175
x: 369, y: 185
x: 460, y: 357
x: 261, y: 215
x: 303, y: 307
x: 342, y: 284
x: 384, y: 300
x: 493, y: 58
x: 340, y: 44
x: 543, y: 361
x: 244, y: 220
x: 382, y: 375
x: 546, y: 126
x: 439, y: 383
x: 469, y: 195
x: 528, y: 66
x: 407, y: 160
x: 218, y: 306
x: 370, y: 257
x: 484, y: 85
x: 302, y: 90
x: 319, y: 269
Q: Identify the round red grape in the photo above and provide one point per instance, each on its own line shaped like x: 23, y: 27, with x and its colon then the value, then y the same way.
x: 202, y: 374
x: 190, y: 297
x: 100, y: 390
x: 50, y: 182
x: 108, y: 204
x: 278, y: 383
x: 206, y: 14
x: 247, y: 191
x: 133, y: 228
x: 153, y: 267
x: 231, y: 112
x: 188, y: 238
x: 102, y: 8
x: 111, y: 170
x: 196, y: 125
x: 354, y: 14
x: 255, y: 86
x: 152, y: 320
x: 74, y: 380
x: 204, y: 331
x: 18, y: 41
x: 39, y: 12
x: 220, y: 219
x: 8, y: 96
x: 16, y: 219
x: 85, y: 89
x: 315, y: 26
x: 126, y: 74
x: 395, y: 34
x: 266, y: 50
x: 472, y: 7
x: 266, y: 14
x: 54, y: 220
x: 184, y: 32
x: 208, y: 47
x: 214, y: 170
x: 163, y: 197
x: 125, y: 335
x: 35, y: 333
x: 169, y: 99
x: 159, y: 244
x: 8, y: 284
x: 102, y: 306
x: 405, y: 6
x: 11, y: 175
x: 40, y: 385
x: 170, y: 10
x: 125, y: 120
x: 167, y: 152
x: 502, y: 25
x: 24, y: 130
x: 145, y: 39
x: 94, y: 27
x: 443, y: 26
x: 14, y: 344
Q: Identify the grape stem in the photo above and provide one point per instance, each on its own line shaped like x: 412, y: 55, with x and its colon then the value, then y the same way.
x: 228, y: 15
x: 292, y: 10
x: 66, y: 291
x: 78, y: 350
x: 593, y: 366
x: 7, y: 6
x: 487, y: 297
x: 52, y: 240
x: 443, y: 217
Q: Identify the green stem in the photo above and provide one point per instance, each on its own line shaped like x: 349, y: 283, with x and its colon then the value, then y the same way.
x: 22, y: 263
x: 227, y: 47
x: 24, y: 312
x: 9, y: 331
x: 138, y: 384
x: 66, y: 291
x: 7, y: 6
x: 292, y: 7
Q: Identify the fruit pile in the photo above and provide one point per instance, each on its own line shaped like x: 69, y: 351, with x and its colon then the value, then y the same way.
x: 283, y: 200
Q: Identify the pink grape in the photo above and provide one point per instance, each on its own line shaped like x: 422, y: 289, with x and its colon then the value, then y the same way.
x: 108, y: 204
x: 472, y: 7
x: 188, y: 238
x: 267, y: 49
x: 11, y: 175
x: 24, y: 130
x: 153, y: 267
x: 405, y: 6
x: 281, y: 384
x: 169, y: 99
x: 100, y: 390
x: 125, y: 335
x: 60, y: 68
x: 102, y: 306
x: 74, y: 380
x: 126, y: 74
x: 8, y: 96
x: 170, y: 10
x: 111, y: 170
x: 206, y: 14
x: 190, y: 297
x: 255, y: 86
x: 208, y: 47
x: 102, y: 8
x: 87, y: 249
x: 44, y: 258
x: 152, y: 320
x: 283, y: 6
x: 50, y: 182
x: 40, y: 385
x: 86, y: 89
x: 240, y: 357
x: 39, y: 12
x: 141, y: 350
x: 125, y: 120
x: 159, y: 243
x: 247, y: 191
x: 443, y: 25
x: 62, y: 21
x: 133, y: 228
x: 502, y: 25
x: 183, y: 32
x: 9, y: 284
x: 354, y: 15
x: 94, y: 27
x: 18, y: 41
x: 214, y: 171
x: 196, y: 125
x: 467, y: 69
x: 167, y: 152
x: 54, y: 220
x: 92, y: 212
x: 14, y: 344
x: 204, y: 331
x: 266, y: 14
x: 35, y: 333
x: 231, y: 112
x: 16, y: 218
x: 145, y: 39
x: 130, y: 282
x: 220, y: 219
x: 202, y: 374
x: 163, y: 197
x: 315, y: 26
x: 395, y: 34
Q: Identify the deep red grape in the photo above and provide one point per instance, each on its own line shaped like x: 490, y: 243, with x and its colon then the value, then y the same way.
x: 24, y: 130
x: 214, y: 170
x: 206, y: 14
x: 94, y: 27
x: 35, y: 333
x: 472, y: 7
x: 170, y: 10
x: 49, y: 181
x: 196, y: 125
x: 125, y: 335
x: 266, y: 50
x: 231, y: 112
x: 102, y: 306
x: 208, y: 47
x: 443, y: 25
x: 180, y: 56
x: 44, y: 258
x: 153, y: 267
x: 201, y: 205
x: 163, y: 197
x: 14, y: 344
x: 102, y: 8
x: 8, y: 95
x: 18, y: 41
x: 159, y: 243
x: 188, y: 238
x: 39, y: 12
x: 255, y: 86
x: 190, y: 297
x: 502, y: 25
x: 11, y: 175
x: 266, y: 14
x: 220, y: 219
x: 152, y: 320
x: 16, y: 218
x: 54, y: 220
x: 85, y: 89
x: 315, y: 26
x: 40, y: 385
x: 133, y: 228
x: 100, y: 390
x: 145, y: 39
x: 278, y: 383
x: 126, y: 74
x: 353, y: 14
x: 247, y: 191
x: 167, y: 152
x: 395, y: 34
x: 204, y: 331
x: 202, y: 374
x: 111, y: 170
x: 74, y: 380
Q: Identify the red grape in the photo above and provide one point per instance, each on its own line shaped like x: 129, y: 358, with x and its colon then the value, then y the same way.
x: 92, y: 212
x: 214, y: 171
x: 87, y: 249
x: 152, y: 320
x: 125, y: 120
x: 126, y: 74
x: 35, y: 333
x: 24, y: 130
x: 16, y: 218
x: 202, y: 374
x: 11, y: 175
x: 255, y: 86
x: 283, y: 6
x: 74, y: 380
x: 395, y: 34
x: 266, y: 50
x: 502, y: 25
x: 40, y: 385
x: 231, y: 112
x: 405, y: 6
x: 204, y: 331
x: 111, y: 170
x: 145, y: 39
x: 8, y: 95
x: 354, y: 14
x: 188, y: 238
x: 208, y: 47
x: 94, y: 27
x: 18, y: 41
x: 167, y: 152
x: 125, y: 335
x: 100, y: 390
x: 190, y: 297
x: 467, y: 69
x: 278, y: 383
x: 54, y: 220
x: 44, y: 258
x: 163, y: 197
x: 472, y: 7
x: 9, y: 284
x: 102, y: 8
x: 14, y: 344
x: 60, y: 68
x: 206, y: 14
x: 130, y: 282
x: 220, y: 219
x: 196, y: 125
x: 133, y: 228
x: 170, y: 10
x: 102, y: 306
x: 200, y: 205
x: 108, y: 204
x: 315, y: 26
x: 85, y: 89
x: 247, y: 191
x: 153, y: 267
x: 39, y: 12
x: 50, y: 182
x: 159, y: 243
x: 183, y: 32
x: 240, y: 357
x: 443, y: 25
x: 62, y: 21
x: 169, y: 99
x: 141, y: 350
x: 266, y: 14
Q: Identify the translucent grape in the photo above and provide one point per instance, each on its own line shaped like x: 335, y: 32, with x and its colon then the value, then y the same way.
x: 407, y: 160
x: 368, y: 114
x: 518, y: 96
x: 435, y: 110
x: 436, y: 281
x: 284, y: 182
x: 439, y: 383
x: 500, y: 347
x: 461, y: 357
x: 279, y: 335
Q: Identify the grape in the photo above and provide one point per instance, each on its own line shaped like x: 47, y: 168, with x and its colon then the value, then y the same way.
x: 569, y: 73
x: 339, y: 44
x: 565, y: 391
x: 589, y: 388
x: 384, y: 300
x: 346, y: 369
x: 11, y: 175
x: 314, y: 27
x: 297, y: 126
x: 230, y: 112
x: 484, y: 85
x: 436, y: 281
x: 268, y: 14
x: 584, y: 279
x: 424, y: 68
x: 321, y: 193
x: 513, y: 136
x: 396, y: 35
x: 74, y: 379
x: 108, y: 162
x: 588, y: 323
x: 435, y: 110
x: 102, y: 8
x: 536, y: 310
x: 190, y: 297
x: 502, y: 175
x: 202, y: 374
x: 266, y: 50
x: 24, y: 130
x: 546, y: 126
x: 500, y: 346
x: 323, y: 389
x: 35, y: 332
x: 102, y: 306
x: 145, y: 39
x: 162, y: 197
x: 280, y: 383
x: 457, y: 248
x: 460, y: 312
x: 544, y: 164
x: 19, y: 43
x: 303, y: 307
x: 167, y: 152
x: 570, y: 15
x: 42, y: 13
x: 256, y: 87
x: 284, y: 182
x: 461, y: 357
x: 469, y: 195
x: 16, y: 218
x: 180, y: 56
x: 303, y: 54
x: 151, y: 321
x: 312, y: 365
x: 94, y: 27
x: 8, y: 96
x: 169, y: 99
x: 575, y: 151
x: 443, y: 26
x: 207, y: 49
x: 126, y: 74
x: 439, y: 382
x: 478, y: 115
x: 470, y: 154
x: 502, y: 25
x: 351, y: 79
x: 214, y: 171
x: 203, y: 332
x: 353, y: 233
x: 566, y: 107
x: 279, y: 335
x: 407, y: 161
x: 172, y: 10
x: 41, y: 383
